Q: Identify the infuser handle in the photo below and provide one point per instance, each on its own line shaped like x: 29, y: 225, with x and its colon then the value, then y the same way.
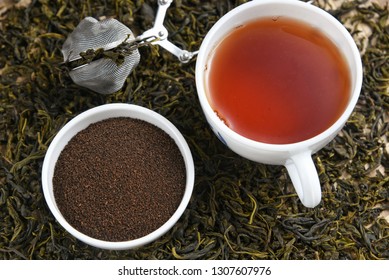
x: 159, y: 32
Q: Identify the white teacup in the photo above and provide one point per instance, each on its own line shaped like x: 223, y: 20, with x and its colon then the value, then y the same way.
x: 296, y: 157
x: 97, y: 114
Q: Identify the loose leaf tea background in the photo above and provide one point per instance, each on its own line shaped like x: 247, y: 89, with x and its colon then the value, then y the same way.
x: 239, y: 209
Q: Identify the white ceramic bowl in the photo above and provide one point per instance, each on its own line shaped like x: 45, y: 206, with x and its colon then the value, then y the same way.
x: 100, y: 113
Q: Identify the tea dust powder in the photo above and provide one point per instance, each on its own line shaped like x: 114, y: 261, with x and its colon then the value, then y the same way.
x: 119, y: 179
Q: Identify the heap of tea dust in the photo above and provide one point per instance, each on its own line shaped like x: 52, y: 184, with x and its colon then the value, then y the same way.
x: 119, y: 179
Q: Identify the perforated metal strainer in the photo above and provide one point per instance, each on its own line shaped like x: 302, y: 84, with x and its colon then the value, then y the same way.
x: 101, y: 54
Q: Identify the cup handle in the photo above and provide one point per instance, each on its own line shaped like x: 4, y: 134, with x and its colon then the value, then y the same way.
x: 305, y: 178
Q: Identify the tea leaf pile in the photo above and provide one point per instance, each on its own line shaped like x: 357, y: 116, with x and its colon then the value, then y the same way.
x: 239, y: 209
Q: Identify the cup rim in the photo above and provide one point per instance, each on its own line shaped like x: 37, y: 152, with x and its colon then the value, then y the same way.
x: 104, y: 110
x: 208, y: 45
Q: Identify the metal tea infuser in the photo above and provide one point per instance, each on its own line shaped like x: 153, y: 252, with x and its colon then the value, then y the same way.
x: 101, y: 54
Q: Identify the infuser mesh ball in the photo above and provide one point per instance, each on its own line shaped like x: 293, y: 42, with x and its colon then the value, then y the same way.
x: 104, y: 75
x: 101, y: 54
